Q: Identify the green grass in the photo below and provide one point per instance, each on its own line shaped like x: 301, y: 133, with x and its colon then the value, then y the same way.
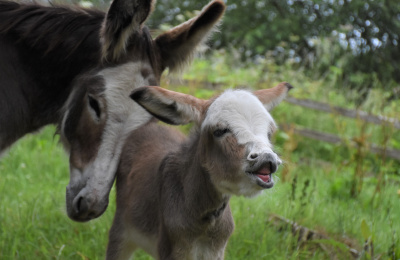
x: 34, y: 224
x: 34, y: 174
x: 33, y: 221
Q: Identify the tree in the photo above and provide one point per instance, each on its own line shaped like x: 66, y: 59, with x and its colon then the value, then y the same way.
x: 366, y: 31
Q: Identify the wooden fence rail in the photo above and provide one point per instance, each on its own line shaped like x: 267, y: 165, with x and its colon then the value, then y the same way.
x: 333, y: 139
x: 330, y: 138
x: 325, y: 137
x: 379, y: 120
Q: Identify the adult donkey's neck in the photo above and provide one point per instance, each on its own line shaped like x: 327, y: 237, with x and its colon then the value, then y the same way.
x: 42, y: 50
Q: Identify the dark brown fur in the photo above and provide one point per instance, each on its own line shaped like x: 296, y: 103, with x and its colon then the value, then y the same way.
x: 40, y: 56
x: 43, y: 49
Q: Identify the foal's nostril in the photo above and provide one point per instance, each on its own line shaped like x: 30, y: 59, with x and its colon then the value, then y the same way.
x: 273, y: 166
x: 253, y: 156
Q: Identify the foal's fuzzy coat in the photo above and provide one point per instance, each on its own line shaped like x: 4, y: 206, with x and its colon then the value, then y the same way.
x: 173, y: 192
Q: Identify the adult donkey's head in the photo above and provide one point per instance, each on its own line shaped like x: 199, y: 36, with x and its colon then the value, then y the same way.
x: 99, y: 112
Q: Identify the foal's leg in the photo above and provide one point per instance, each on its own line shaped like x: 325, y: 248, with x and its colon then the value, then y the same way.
x: 119, y: 247
x: 120, y: 251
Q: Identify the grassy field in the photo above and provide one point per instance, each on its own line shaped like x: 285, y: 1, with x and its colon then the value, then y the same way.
x: 313, y: 190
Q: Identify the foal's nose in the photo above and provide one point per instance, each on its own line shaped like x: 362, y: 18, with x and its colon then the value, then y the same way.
x: 264, y: 159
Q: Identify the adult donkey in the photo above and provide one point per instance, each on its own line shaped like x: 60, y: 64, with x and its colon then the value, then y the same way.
x: 75, y: 68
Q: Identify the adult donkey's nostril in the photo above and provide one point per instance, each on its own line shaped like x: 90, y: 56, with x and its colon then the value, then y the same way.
x: 81, y: 205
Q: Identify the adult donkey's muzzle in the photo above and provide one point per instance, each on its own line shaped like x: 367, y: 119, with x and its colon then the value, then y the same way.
x: 86, y: 198
x: 82, y: 206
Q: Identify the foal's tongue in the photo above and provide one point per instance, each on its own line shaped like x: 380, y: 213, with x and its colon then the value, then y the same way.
x: 265, y: 178
x: 264, y: 174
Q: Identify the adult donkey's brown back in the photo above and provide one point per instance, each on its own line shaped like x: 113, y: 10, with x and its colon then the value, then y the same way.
x: 75, y: 68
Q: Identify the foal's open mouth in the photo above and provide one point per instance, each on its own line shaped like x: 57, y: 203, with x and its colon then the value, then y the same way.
x: 263, y: 177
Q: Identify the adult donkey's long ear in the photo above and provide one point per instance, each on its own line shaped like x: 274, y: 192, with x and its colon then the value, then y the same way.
x: 273, y: 96
x: 178, y: 45
x: 168, y: 106
x: 122, y: 20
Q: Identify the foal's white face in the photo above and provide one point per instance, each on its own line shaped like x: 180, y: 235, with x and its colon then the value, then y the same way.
x: 235, y: 128
x: 241, y: 127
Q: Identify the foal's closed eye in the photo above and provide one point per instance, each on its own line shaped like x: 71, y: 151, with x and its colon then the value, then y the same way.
x: 220, y: 132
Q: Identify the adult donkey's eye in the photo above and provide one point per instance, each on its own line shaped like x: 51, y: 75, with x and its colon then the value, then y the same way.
x: 220, y: 132
x: 94, y: 105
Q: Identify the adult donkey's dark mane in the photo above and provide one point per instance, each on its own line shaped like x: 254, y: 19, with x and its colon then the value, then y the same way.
x: 55, y: 29
x: 48, y: 47
x: 68, y: 35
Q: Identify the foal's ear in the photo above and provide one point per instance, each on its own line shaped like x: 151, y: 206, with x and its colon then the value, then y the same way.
x: 123, y: 19
x: 273, y: 96
x: 178, y: 45
x: 168, y: 106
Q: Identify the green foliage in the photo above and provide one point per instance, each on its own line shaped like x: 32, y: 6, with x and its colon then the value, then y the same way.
x: 354, y: 43
x: 358, y: 39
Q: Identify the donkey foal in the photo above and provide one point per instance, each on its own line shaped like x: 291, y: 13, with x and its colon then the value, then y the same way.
x: 173, y: 192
